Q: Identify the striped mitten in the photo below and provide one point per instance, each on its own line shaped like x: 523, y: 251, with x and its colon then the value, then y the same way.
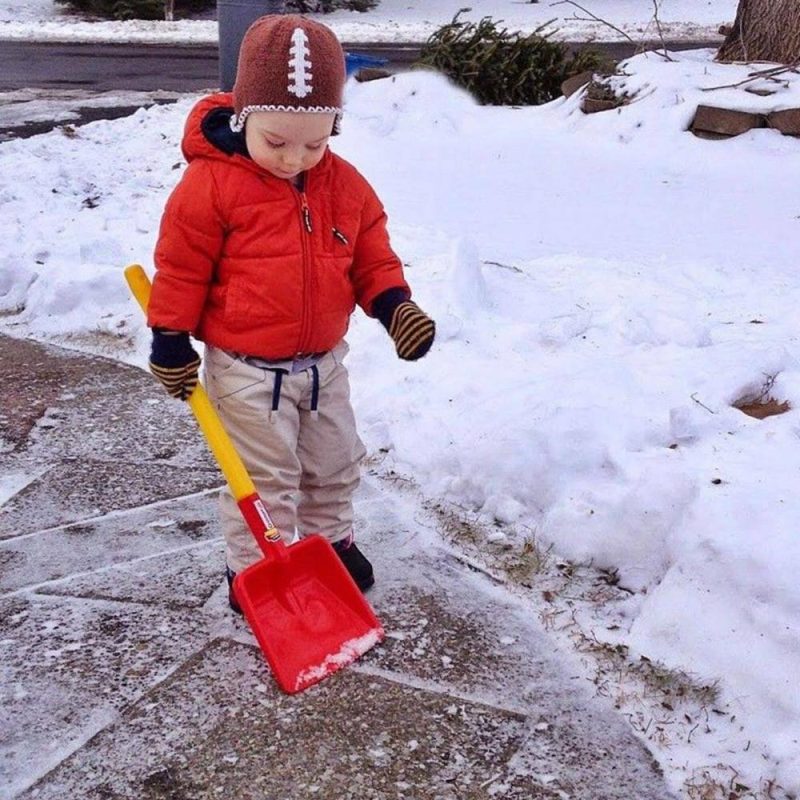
x: 412, y: 331
x: 174, y: 362
x: 411, y: 328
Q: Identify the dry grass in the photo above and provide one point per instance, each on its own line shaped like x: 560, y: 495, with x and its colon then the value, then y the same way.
x: 723, y: 782
x: 523, y: 565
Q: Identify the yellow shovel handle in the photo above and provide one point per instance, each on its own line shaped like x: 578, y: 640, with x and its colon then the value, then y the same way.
x: 216, y: 436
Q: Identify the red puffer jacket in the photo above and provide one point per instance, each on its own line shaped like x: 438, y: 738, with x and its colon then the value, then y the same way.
x: 246, y: 262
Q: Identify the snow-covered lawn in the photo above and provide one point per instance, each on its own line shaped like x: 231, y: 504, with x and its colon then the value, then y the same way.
x: 606, y: 289
x: 398, y: 21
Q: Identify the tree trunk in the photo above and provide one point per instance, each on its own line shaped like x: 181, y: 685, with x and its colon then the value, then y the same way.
x: 169, y: 10
x: 764, y: 30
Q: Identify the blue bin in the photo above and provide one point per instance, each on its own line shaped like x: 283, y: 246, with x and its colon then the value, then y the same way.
x: 355, y: 61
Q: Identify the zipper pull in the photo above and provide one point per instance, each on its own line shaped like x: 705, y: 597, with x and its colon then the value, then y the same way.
x: 340, y: 236
x: 306, y: 215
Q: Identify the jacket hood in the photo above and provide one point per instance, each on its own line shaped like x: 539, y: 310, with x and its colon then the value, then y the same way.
x: 207, y: 134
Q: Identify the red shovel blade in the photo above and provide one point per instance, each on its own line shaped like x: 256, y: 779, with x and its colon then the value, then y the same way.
x: 307, y: 614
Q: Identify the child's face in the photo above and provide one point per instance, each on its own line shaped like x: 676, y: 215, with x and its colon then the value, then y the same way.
x: 286, y: 143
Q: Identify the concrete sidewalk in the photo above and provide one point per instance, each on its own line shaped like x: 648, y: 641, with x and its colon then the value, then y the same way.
x: 124, y: 674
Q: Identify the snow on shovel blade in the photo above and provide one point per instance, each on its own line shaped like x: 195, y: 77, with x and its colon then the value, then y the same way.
x: 307, y: 614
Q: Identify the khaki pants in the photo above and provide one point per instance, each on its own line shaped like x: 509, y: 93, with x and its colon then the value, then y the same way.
x: 304, y: 463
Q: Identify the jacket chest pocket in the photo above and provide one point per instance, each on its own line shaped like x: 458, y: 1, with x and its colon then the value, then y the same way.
x: 337, y: 232
x: 336, y: 241
x: 340, y: 240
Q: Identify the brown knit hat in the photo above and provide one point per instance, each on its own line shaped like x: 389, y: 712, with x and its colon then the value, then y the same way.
x: 288, y: 63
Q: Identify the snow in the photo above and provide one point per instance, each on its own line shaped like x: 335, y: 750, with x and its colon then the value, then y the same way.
x: 346, y: 654
x: 11, y: 484
x: 605, y: 287
x: 397, y: 21
x: 24, y: 106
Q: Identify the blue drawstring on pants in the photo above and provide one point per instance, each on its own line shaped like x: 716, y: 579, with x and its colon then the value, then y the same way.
x: 276, y: 387
x: 278, y: 383
x: 314, y: 387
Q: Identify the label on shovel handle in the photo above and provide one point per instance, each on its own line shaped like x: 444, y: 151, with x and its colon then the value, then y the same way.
x: 271, y: 533
x: 258, y: 519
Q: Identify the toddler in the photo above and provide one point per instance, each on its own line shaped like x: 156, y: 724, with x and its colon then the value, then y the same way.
x: 266, y: 245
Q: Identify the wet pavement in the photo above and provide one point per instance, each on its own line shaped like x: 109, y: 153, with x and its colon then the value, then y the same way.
x: 29, y: 112
x: 125, y: 675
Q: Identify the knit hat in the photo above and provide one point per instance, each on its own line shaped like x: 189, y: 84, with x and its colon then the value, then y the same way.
x: 288, y: 63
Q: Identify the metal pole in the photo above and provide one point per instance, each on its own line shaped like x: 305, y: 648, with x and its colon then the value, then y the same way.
x: 234, y: 17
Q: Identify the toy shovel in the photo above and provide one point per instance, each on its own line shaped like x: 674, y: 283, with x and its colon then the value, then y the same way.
x: 307, y: 614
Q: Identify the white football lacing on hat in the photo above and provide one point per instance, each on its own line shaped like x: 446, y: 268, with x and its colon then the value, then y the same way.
x: 300, y: 65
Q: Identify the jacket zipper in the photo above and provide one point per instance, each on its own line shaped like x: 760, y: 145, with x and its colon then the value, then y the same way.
x: 306, y: 229
x: 306, y: 214
x: 340, y: 236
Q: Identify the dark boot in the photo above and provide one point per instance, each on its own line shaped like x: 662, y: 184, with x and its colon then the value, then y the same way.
x: 356, y: 562
x: 232, y: 602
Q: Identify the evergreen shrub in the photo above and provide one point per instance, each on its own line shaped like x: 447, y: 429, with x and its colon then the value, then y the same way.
x: 135, y: 9
x: 504, y: 68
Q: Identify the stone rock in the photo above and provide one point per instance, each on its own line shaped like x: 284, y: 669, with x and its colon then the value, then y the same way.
x: 591, y: 105
x: 787, y: 121
x: 725, y: 121
x: 760, y: 91
x: 576, y: 82
x: 710, y: 135
x: 371, y: 74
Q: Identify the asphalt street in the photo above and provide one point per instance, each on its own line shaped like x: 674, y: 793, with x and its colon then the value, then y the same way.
x: 107, y: 67
x: 183, y: 68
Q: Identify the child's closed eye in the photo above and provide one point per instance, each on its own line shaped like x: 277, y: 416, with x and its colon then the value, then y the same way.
x: 271, y: 143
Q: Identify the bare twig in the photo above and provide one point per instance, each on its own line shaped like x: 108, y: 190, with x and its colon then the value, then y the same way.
x: 640, y: 46
x: 767, y: 387
x: 744, y: 39
x: 762, y: 73
x: 593, y: 17
x: 660, y: 31
x: 503, y: 266
x: 694, y: 397
x: 776, y: 70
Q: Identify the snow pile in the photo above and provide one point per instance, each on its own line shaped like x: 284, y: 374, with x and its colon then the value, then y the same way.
x: 28, y: 11
x: 665, y: 93
x: 606, y: 288
x: 75, y: 218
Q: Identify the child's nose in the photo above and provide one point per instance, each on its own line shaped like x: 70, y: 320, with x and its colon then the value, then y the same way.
x: 293, y: 159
